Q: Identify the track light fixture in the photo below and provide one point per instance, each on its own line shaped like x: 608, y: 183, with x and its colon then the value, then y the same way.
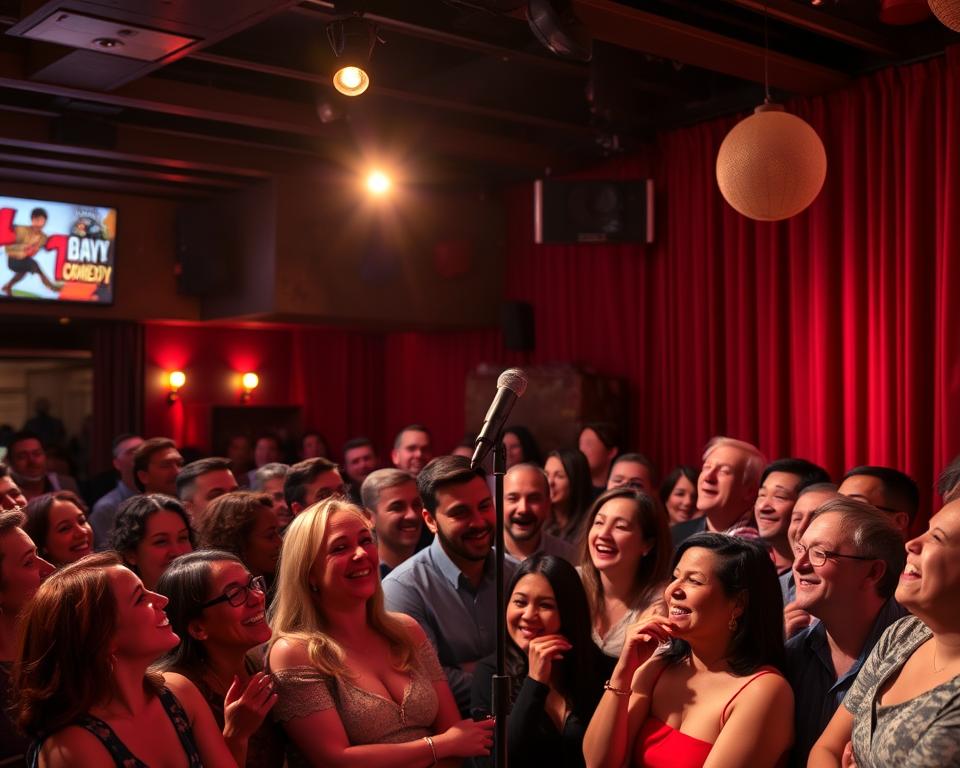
x: 352, y: 40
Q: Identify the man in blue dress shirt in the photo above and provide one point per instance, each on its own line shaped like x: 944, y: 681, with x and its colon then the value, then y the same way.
x: 450, y: 587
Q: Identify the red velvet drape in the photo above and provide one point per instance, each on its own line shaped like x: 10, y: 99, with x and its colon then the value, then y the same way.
x: 829, y: 336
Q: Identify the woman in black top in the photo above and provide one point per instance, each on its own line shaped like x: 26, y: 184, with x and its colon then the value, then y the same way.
x: 556, y: 671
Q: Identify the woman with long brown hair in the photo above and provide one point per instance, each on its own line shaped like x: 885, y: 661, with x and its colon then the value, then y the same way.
x: 84, y: 694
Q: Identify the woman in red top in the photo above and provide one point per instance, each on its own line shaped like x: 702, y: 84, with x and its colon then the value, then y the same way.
x: 702, y: 686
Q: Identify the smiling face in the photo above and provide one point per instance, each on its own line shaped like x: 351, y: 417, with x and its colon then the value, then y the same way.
x: 346, y: 569
x: 558, y: 480
x: 615, y: 540
x: 721, y: 492
x: 398, y: 517
x: 69, y: 535
x: 697, y: 604
x: 21, y: 570
x: 165, y: 537
x: 532, y: 610
x: 682, y: 502
x: 840, y: 580
x: 11, y: 497
x: 774, y: 507
x: 359, y: 462
x: 526, y: 503
x: 228, y: 626
x: 464, y: 520
x: 143, y: 630
x: 931, y: 578
x: 262, y: 548
x: 413, y: 451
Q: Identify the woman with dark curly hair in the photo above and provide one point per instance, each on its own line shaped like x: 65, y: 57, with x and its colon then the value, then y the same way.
x: 57, y: 523
x: 149, y: 532
x: 84, y: 693
x: 244, y: 523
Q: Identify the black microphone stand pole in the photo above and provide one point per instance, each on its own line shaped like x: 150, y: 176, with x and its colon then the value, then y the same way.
x: 501, y: 683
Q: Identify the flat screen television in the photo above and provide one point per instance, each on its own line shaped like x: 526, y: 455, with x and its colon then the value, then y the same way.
x: 56, y: 251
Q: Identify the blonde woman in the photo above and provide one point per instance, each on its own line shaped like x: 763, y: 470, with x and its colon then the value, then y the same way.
x: 358, y: 686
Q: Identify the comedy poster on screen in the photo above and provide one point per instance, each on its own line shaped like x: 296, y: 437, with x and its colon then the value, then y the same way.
x: 54, y: 251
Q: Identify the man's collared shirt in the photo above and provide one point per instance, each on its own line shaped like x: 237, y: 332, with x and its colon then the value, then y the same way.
x: 105, y: 512
x: 550, y: 545
x: 816, y: 689
x: 459, y: 620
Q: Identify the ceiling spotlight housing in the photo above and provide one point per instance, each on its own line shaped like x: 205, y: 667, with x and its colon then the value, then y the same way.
x: 352, y: 40
x: 557, y: 27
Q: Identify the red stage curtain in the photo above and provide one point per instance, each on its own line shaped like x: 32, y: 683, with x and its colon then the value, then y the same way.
x: 829, y: 336
x: 118, y: 364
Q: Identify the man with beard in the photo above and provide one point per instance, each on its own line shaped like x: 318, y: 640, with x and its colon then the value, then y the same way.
x: 450, y: 587
x: 28, y: 465
x: 526, y: 507
x: 392, y: 500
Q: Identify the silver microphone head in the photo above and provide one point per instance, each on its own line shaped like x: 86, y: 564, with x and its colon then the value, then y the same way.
x: 514, y: 379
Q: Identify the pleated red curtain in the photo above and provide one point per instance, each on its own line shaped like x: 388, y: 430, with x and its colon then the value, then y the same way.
x: 829, y: 336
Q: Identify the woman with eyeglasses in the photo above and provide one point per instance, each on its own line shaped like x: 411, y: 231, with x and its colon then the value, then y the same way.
x: 217, y: 609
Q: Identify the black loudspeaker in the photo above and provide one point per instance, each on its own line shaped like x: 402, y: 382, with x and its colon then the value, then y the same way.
x: 516, y: 322
x: 593, y: 211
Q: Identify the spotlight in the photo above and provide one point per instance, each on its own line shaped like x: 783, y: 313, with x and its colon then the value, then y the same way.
x: 248, y: 382
x: 378, y: 183
x: 175, y: 380
x: 352, y: 40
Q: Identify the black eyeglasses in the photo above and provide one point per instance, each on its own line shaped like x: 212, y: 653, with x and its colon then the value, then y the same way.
x: 237, y: 595
x: 819, y: 556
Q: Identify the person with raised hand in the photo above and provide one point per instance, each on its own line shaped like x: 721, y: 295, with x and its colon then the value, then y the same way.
x: 217, y: 607
x: 703, y: 685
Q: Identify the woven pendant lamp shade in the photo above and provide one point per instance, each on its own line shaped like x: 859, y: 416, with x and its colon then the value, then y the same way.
x: 771, y: 165
x: 948, y: 11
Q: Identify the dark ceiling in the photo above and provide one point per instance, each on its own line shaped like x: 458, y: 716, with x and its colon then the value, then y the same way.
x: 457, y: 89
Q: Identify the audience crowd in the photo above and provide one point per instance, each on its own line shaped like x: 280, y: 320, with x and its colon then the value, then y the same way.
x: 266, y: 609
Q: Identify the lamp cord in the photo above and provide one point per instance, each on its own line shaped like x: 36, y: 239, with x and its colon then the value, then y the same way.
x: 766, y: 58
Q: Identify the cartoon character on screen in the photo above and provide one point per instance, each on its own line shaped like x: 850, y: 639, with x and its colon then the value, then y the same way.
x: 20, y: 253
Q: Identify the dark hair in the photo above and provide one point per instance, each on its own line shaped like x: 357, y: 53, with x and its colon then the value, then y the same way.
x: 442, y: 472
x: 356, y: 442
x: 37, y: 212
x: 949, y: 480
x: 808, y: 472
x: 670, y: 481
x: 411, y: 428
x: 21, y: 436
x: 130, y: 524
x: 4, y: 470
x: 654, y: 567
x: 230, y: 519
x: 581, y: 489
x: 187, y: 477
x: 9, y: 519
x: 900, y: 492
x: 186, y: 583
x: 581, y: 673
x: 743, y: 568
x: 121, y: 438
x: 528, y: 444
x: 636, y: 458
x: 37, y: 525
x: 608, y: 432
x: 817, y: 488
x: 301, y: 475
x: 144, y: 454
x: 65, y: 646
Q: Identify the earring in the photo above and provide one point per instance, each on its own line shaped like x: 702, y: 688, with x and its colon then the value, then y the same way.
x: 732, y: 624
x: 112, y: 658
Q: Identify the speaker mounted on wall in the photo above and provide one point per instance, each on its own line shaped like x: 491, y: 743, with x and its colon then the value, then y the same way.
x: 570, y: 212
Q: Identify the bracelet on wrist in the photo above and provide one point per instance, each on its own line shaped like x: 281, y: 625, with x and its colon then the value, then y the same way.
x: 433, y: 749
x: 608, y: 686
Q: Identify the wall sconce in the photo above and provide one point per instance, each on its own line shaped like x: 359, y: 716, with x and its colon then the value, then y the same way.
x: 248, y: 382
x: 175, y: 380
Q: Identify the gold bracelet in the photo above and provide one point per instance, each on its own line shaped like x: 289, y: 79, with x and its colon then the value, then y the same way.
x: 608, y: 686
x: 433, y: 749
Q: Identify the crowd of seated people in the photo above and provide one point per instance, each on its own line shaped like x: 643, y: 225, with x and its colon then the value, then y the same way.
x: 273, y: 608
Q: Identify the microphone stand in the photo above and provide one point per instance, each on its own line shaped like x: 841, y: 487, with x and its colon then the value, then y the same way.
x: 501, y: 683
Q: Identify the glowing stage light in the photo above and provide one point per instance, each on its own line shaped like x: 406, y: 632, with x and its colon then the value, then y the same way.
x: 378, y: 183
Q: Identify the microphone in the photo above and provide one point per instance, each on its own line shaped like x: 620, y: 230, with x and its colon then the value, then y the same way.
x: 511, y: 384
